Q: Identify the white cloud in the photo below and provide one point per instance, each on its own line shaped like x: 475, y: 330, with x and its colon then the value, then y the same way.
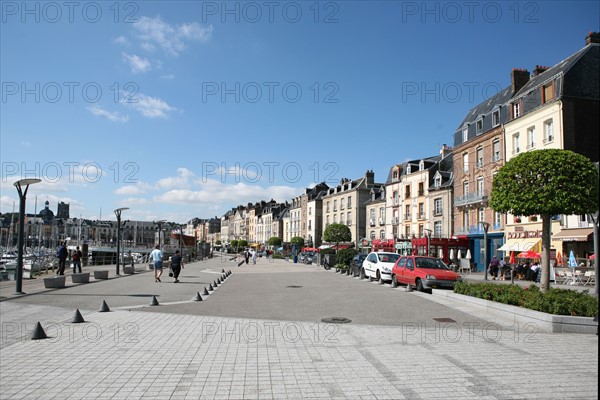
x: 150, y: 107
x: 133, y: 190
x: 114, y: 116
x: 122, y: 40
x: 137, y: 63
x: 168, y: 77
x: 171, y: 38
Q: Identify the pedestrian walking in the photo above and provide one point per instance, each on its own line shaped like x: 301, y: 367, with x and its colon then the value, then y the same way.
x: 247, y: 257
x: 254, y: 258
x: 176, y: 265
x: 62, y: 254
x: 156, y: 256
x: 77, y: 260
x: 493, y: 267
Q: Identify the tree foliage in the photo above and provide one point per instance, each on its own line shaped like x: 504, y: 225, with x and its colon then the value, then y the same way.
x: 337, y: 233
x: 233, y: 243
x: 546, y: 182
x: 274, y: 241
x: 299, y: 241
x: 243, y: 243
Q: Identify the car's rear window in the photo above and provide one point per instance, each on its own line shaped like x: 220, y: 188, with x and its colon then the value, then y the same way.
x: 430, y: 263
x: 391, y: 258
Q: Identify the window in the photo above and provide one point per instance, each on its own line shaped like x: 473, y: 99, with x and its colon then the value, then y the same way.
x: 421, y: 210
x: 349, y: 218
x: 395, y: 176
x: 516, y: 110
x: 421, y: 165
x: 342, y: 204
x: 407, y: 192
x: 465, y: 188
x: 335, y: 205
x: 466, y: 162
x: 548, y: 131
x: 497, y: 219
x: 465, y: 133
x: 480, y: 157
x: 421, y: 230
x: 327, y: 207
x: 396, y: 198
x: 437, y: 181
x: 381, y: 234
x: 349, y: 202
x: 309, y: 225
x: 437, y: 229
x: 309, y: 210
x: 480, y: 186
x: 408, y: 169
x: 479, y: 125
x: 421, y: 189
x: 496, y: 118
x: 496, y: 150
x: 335, y: 218
x: 531, y: 137
x: 372, y: 235
x: 437, y: 207
x: 547, y: 92
x: 480, y: 215
x: 515, y: 143
x: 381, y: 212
x: 407, y: 212
x: 372, y: 214
x: 328, y: 220
x: 466, y: 220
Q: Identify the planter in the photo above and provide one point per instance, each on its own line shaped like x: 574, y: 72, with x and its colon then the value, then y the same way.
x: 81, y: 277
x: 55, y: 282
x: 129, y: 270
x: 543, y: 322
x: 101, y: 274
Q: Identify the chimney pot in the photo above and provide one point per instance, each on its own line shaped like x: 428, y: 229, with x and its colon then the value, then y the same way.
x: 592, y: 37
x: 519, y: 78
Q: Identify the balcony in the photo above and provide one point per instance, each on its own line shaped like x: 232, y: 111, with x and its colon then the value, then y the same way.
x: 471, y: 198
x: 372, y: 222
x: 381, y: 221
x: 421, y: 216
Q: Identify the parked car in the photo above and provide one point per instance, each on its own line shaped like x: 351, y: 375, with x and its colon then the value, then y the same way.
x: 424, y: 273
x: 378, y: 266
x: 356, y: 264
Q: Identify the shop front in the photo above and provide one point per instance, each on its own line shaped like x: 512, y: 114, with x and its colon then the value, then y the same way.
x: 444, y: 248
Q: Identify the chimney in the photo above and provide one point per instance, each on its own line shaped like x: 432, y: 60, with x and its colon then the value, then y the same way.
x: 519, y: 78
x: 592, y: 37
x: 370, y: 177
x: 539, y: 69
x: 445, y: 150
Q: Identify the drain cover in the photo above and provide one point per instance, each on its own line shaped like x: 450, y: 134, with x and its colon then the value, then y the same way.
x: 293, y: 286
x: 444, y: 320
x: 336, y: 320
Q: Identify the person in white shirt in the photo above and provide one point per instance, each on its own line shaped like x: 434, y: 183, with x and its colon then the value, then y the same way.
x: 156, y: 256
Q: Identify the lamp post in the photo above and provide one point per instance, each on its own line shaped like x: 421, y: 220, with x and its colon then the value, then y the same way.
x: 22, y: 198
x: 118, y: 214
x: 486, y: 226
x: 428, y: 233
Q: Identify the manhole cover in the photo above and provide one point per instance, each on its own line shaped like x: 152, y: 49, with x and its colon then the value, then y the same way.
x: 444, y: 320
x: 336, y: 320
x: 294, y: 286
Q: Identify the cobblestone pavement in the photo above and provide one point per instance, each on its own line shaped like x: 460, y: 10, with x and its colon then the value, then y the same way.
x: 133, y: 352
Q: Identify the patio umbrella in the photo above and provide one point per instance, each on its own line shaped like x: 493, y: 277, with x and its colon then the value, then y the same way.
x: 451, y: 254
x: 529, y: 254
x: 441, y: 254
x: 559, y: 258
x: 468, y: 256
x: 572, y: 261
x: 592, y: 257
x: 512, y: 258
x: 458, y: 257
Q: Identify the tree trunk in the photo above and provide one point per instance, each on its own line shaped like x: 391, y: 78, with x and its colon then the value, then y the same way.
x: 546, y: 231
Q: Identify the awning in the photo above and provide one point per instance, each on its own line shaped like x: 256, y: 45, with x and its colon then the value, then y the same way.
x: 519, y: 244
x: 324, y: 246
x: 574, y: 235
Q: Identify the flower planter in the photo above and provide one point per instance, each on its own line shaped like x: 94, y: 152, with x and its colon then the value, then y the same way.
x: 81, y: 277
x: 129, y: 270
x: 55, y: 282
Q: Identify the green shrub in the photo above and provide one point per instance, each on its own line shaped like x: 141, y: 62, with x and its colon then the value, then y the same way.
x: 344, y: 257
x: 554, y: 301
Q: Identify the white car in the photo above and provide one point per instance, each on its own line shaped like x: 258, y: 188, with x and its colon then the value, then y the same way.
x: 378, y: 266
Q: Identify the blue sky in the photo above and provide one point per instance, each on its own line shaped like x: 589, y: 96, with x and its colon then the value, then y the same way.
x: 185, y: 109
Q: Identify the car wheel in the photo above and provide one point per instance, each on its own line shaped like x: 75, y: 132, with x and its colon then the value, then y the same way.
x: 379, y: 278
x: 394, y: 281
x: 370, y: 278
x: 362, y: 273
x: 419, y: 285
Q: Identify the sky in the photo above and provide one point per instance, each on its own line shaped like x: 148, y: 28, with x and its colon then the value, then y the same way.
x: 185, y: 109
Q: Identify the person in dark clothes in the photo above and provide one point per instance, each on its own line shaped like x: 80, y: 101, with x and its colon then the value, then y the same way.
x: 176, y: 265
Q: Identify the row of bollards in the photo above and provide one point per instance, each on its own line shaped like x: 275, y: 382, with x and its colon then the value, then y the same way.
x: 409, y: 287
x: 39, y: 333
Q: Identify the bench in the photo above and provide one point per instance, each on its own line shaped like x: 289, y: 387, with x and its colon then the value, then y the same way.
x: 101, y: 274
x: 82, y: 277
x: 55, y: 282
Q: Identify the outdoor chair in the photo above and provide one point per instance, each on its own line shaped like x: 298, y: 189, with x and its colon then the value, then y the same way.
x: 560, y: 277
x: 568, y: 278
x: 589, y: 278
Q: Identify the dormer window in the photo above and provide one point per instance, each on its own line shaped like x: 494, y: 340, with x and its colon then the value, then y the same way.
x: 408, y: 169
x: 395, y: 175
x: 437, y: 181
x: 547, y: 92
x: 516, y: 109
x: 421, y: 165
x: 465, y: 133
x: 479, y: 125
x: 496, y: 117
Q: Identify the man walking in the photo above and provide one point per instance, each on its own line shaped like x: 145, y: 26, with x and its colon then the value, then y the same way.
x: 62, y: 257
x: 156, y: 257
x: 77, y: 260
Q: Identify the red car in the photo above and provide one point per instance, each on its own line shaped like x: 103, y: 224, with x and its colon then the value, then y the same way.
x: 423, y: 272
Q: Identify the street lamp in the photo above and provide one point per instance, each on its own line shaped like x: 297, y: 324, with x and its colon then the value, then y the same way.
x: 22, y: 197
x: 118, y: 214
x: 428, y: 233
x: 486, y: 226
x: 159, y: 230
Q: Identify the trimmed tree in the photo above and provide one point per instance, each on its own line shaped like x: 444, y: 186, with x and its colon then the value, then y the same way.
x: 337, y: 233
x: 243, y: 243
x: 546, y: 182
x: 299, y: 241
x: 274, y: 241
